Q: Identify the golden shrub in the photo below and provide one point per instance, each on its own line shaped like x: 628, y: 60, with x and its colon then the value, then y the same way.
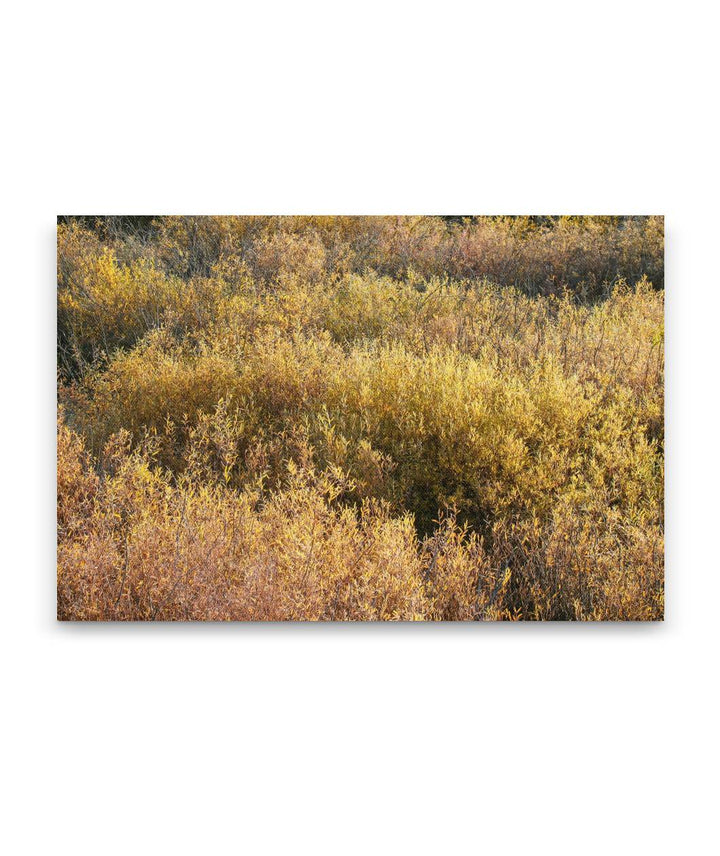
x: 345, y: 418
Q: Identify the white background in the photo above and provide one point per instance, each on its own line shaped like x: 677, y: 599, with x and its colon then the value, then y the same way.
x: 358, y: 739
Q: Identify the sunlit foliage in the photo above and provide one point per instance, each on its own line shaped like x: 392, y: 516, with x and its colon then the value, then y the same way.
x: 360, y: 418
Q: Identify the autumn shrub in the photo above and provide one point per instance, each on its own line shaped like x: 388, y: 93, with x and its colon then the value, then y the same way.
x: 537, y: 253
x: 147, y: 547
x: 109, y: 306
x: 361, y: 418
x: 485, y: 436
x: 151, y: 549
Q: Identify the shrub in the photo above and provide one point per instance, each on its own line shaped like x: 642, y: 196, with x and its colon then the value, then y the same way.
x: 345, y: 418
x: 148, y: 548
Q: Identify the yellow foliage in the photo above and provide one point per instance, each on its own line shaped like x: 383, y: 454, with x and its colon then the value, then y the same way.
x: 345, y: 418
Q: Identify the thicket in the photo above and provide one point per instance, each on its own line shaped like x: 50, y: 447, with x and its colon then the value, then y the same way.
x: 360, y: 418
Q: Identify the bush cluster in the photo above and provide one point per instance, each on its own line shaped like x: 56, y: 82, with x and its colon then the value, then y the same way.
x: 360, y: 418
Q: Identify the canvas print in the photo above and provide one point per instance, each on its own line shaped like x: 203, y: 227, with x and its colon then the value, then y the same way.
x: 397, y: 418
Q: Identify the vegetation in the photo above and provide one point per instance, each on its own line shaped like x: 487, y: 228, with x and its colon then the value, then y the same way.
x: 360, y: 418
